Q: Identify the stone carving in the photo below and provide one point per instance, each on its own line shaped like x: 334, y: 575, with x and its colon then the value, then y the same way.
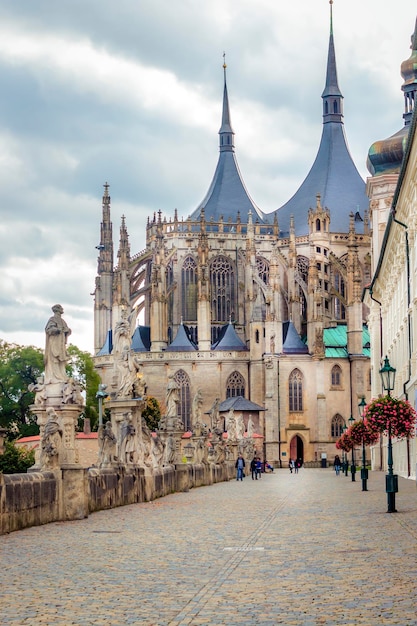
x: 56, y: 357
x: 107, y: 446
x: 71, y: 392
x: 129, y: 442
x: 239, y: 426
x: 251, y: 427
x: 140, y: 386
x: 128, y: 365
x: 170, y: 450
x: 51, y: 441
x: 156, y: 451
x: 172, y: 397
x: 122, y: 334
x: 40, y: 391
x: 219, y: 452
x: 231, y: 425
x: 215, y: 416
x: 196, y: 408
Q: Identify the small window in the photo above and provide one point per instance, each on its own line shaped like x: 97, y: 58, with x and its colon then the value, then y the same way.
x: 336, y: 376
x: 337, y: 426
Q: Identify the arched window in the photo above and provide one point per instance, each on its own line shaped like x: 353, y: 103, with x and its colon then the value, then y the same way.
x: 235, y: 385
x: 340, y: 288
x: 263, y: 269
x: 337, y: 426
x: 336, y: 376
x: 334, y: 106
x: 170, y: 291
x: 295, y: 391
x: 184, y: 407
x: 222, y: 282
x: 318, y: 224
x: 326, y: 107
x: 189, y: 290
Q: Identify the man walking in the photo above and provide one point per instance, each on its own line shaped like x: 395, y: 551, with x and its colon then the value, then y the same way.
x: 239, y: 465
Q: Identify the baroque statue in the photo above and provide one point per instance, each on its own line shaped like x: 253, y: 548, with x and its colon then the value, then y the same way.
x: 56, y: 357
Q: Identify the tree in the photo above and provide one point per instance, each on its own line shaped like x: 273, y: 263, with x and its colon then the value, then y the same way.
x: 16, y: 460
x: 19, y: 367
x: 152, y: 413
x: 81, y: 368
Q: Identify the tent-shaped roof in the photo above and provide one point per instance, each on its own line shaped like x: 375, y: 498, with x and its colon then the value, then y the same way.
x: 292, y: 341
x: 108, y: 344
x: 229, y: 340
x: 182, y: 342
x: 141, y: 340
x: 239, y: 403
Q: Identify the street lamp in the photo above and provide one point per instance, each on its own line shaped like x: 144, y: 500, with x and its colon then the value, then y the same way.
x: 353, y: 466
x: 345, y: 459
x: 391, y: 480
x: 364, y: 471
x: 101, y: 393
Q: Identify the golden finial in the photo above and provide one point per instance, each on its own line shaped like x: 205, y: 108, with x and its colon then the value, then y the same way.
x: 224, y: 61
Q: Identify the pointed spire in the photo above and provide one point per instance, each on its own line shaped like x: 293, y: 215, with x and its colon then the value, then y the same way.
x: 332, y: 96
x: 105, y: 248
x: 124, y: 247
x: 226, y: 131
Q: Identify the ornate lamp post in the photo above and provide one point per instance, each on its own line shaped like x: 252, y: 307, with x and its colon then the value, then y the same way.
x: 391, y: 480
x: 353, y: 466
x: 364, y: 471
x: 101, y: 393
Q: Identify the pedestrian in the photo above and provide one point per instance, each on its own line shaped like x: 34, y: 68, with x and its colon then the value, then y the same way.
x: 240, y: 467
x: 259, y: 467
x: 296, y: 465
x: 337, y: 464
x: 291, y: 465
x: 253, y: 468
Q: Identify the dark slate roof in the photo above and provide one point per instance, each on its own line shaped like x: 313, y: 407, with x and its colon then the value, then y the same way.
x: 335, y: 342
x: 239, y: 403
x: 229, y: 340
x: 108, y: 344
x: 333, y: 174
x: 227, y: 195
x: 292, y: 341
x: 182, y: 342
x: 141, y: 340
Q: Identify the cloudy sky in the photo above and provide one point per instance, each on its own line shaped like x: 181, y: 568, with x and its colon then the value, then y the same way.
x: 130, y: 92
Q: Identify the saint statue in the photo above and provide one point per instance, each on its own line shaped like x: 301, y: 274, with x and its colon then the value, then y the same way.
x: 56, y: 357
x: 172, y: 397
x: 51, y: 440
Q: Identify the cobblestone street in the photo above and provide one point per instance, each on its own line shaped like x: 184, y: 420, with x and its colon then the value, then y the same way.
x: 302, y: 549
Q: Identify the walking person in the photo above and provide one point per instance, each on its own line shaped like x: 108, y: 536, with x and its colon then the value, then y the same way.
x: 296, y: 465
x: 337, y: 464
x: 253, y: 469
x: 291, y: 465
x: 259, y: 467
x: 240, y: 466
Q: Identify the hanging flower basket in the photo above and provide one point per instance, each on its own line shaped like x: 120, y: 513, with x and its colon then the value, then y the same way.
x: 360, y: 433
x: 391, y: 414
x: 345, y: 442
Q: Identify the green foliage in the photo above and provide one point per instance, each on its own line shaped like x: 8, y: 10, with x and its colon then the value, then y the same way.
x: 20, y: 366
x: 81, y: 368
x: 16, y: 460
x: 152, y: 413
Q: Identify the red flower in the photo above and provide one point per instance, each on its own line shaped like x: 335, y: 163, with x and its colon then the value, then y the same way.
x: 388, y: 414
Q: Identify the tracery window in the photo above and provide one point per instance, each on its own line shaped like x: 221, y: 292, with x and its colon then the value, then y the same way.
x: 184, y: 407
x: 336, y: 376
x: 339, y: 307
x: 189, y: 289
x: 170, y: 291
x: 337, y: 426
x: 295, y: 391
x: 302, y: 267
x: 263, y: 269
x: 235, y: 385
x: 222, y: 282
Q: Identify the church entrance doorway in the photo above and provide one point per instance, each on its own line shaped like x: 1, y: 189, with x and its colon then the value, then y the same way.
x: 297, y: 448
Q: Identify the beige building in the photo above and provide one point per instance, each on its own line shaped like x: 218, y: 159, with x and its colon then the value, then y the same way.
x: 392, y: 294
x: 231, y: 301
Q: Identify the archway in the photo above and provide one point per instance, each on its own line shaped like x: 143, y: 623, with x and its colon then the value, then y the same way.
x: 297, y: 448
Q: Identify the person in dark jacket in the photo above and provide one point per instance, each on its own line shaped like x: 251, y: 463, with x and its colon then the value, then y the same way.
x: 240, y: 466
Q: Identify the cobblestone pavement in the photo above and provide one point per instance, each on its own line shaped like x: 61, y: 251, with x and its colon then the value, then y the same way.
x: 307, y: 549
